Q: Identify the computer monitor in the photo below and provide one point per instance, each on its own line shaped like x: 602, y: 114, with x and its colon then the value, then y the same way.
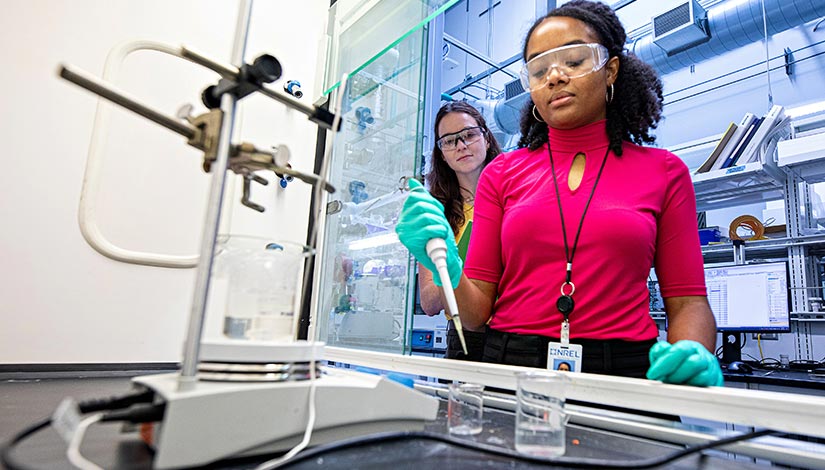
x: 750, y: 298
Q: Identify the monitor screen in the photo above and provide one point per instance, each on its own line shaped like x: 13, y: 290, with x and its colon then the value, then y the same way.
x: 751, y: 297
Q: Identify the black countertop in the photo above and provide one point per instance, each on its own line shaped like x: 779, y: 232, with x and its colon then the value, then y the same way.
x: 23, y: 402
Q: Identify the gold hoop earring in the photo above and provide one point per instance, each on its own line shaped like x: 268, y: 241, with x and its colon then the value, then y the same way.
x: 608, y: 95
x: 538, y: 118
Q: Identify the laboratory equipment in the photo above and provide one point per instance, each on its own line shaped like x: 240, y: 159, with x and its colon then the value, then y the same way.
x: 465, y: 409
x: 223, y: 402
x: 437, y: 251
x: 203, y: 131
x: 748, y: 298
x: 222, y: 419
x: 540, y: 413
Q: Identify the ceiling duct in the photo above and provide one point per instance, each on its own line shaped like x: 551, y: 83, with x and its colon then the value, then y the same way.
x: 731, y: 25
x: 681, y: 28
x: 508, y: 110
x: 503, y: 115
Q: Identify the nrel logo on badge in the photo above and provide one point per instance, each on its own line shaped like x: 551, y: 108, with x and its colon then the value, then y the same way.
x: 561, y: 352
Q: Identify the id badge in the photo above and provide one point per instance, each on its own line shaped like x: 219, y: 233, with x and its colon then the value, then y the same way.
x: 564, y: 358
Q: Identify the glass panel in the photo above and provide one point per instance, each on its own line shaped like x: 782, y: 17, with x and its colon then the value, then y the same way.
x: 372, y: 29
x: 366, y: 276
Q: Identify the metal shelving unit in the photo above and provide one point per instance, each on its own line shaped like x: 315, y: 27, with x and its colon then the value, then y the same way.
x: 738, y: 185
x: 804, y: 157
x: 784, y: 172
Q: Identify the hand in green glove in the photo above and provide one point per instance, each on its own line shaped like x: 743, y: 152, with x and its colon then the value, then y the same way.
x: 421, y: 219
x: 685, y: 362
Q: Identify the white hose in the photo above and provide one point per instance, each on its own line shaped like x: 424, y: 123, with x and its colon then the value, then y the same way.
x: 91, y: 179
x: 73, y: 450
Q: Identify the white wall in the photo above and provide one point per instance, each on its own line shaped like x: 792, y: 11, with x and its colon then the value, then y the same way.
x: 60, y: 301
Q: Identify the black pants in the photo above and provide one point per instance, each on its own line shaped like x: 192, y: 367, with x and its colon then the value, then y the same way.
x: 611, y: 357
x: 608, y: 357
x: 475, y: 344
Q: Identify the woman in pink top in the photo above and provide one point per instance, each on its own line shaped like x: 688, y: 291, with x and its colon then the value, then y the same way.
x: 567, y: 227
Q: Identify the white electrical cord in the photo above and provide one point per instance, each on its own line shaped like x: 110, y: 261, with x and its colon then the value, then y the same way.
x: 319, y: 191
x: 275, y: 463
x: 91, y: 179
x: 73, y: 451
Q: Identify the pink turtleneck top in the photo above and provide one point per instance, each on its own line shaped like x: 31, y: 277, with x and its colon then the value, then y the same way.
x: 643, y: 215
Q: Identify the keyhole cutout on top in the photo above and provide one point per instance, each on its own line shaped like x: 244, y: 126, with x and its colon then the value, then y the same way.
x: 574, y: 179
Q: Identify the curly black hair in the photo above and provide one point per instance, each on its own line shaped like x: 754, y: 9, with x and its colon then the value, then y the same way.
x: 636, y: 107
x: 441, y: 179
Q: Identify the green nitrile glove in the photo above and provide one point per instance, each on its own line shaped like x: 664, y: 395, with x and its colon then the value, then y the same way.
x: 421, y: 219
x: 685, y: 362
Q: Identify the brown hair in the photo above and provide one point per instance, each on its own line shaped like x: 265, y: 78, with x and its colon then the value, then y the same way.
x: 442, y: 179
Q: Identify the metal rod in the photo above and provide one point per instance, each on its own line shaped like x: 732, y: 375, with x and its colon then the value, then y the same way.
x: 104, y: 90
x: 478, y: 55
x: 225, y: 70
x: 191, y: 353
x: 231, y: 72
x: 289, y: 101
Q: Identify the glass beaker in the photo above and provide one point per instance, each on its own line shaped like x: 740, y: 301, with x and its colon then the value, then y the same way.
x: 263, y: 281
x: 540, y: 414
x: 465, y: 410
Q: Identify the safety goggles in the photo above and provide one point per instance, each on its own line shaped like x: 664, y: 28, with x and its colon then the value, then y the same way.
x: 573, y: 61
x: 469, y: 135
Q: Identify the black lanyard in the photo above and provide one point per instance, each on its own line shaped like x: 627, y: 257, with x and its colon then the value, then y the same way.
x: 565, y: 302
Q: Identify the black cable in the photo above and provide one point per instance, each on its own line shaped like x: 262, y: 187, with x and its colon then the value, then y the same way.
x: 499, y: 451
x: 739, y: 80
x: 117, y: 402
x: 742, y: 69
x: 770, y: 363
x: 88, y: 406
x: 137, y: 414
x: 753, y: 359
x: 5, y: 453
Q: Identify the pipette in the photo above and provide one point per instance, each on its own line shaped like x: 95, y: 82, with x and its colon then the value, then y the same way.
x: 437, y: 251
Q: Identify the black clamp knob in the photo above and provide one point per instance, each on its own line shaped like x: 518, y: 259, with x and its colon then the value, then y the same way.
x: 264, y: 69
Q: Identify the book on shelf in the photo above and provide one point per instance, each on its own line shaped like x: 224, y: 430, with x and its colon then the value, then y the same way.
x: 751, y: 152
x: 720, y: 146
x: 746, y: 138
x: 727, y: 151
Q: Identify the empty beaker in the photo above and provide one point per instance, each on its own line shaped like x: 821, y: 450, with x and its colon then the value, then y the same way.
x: 465, y: 410
x: 540, y: 414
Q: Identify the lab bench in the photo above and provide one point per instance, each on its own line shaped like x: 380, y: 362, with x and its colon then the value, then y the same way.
x: 789, y: 381
x: 26, y: 401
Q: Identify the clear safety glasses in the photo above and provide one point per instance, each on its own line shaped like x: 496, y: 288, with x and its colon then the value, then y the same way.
x: 469, y: 136
x: 573, y: 61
